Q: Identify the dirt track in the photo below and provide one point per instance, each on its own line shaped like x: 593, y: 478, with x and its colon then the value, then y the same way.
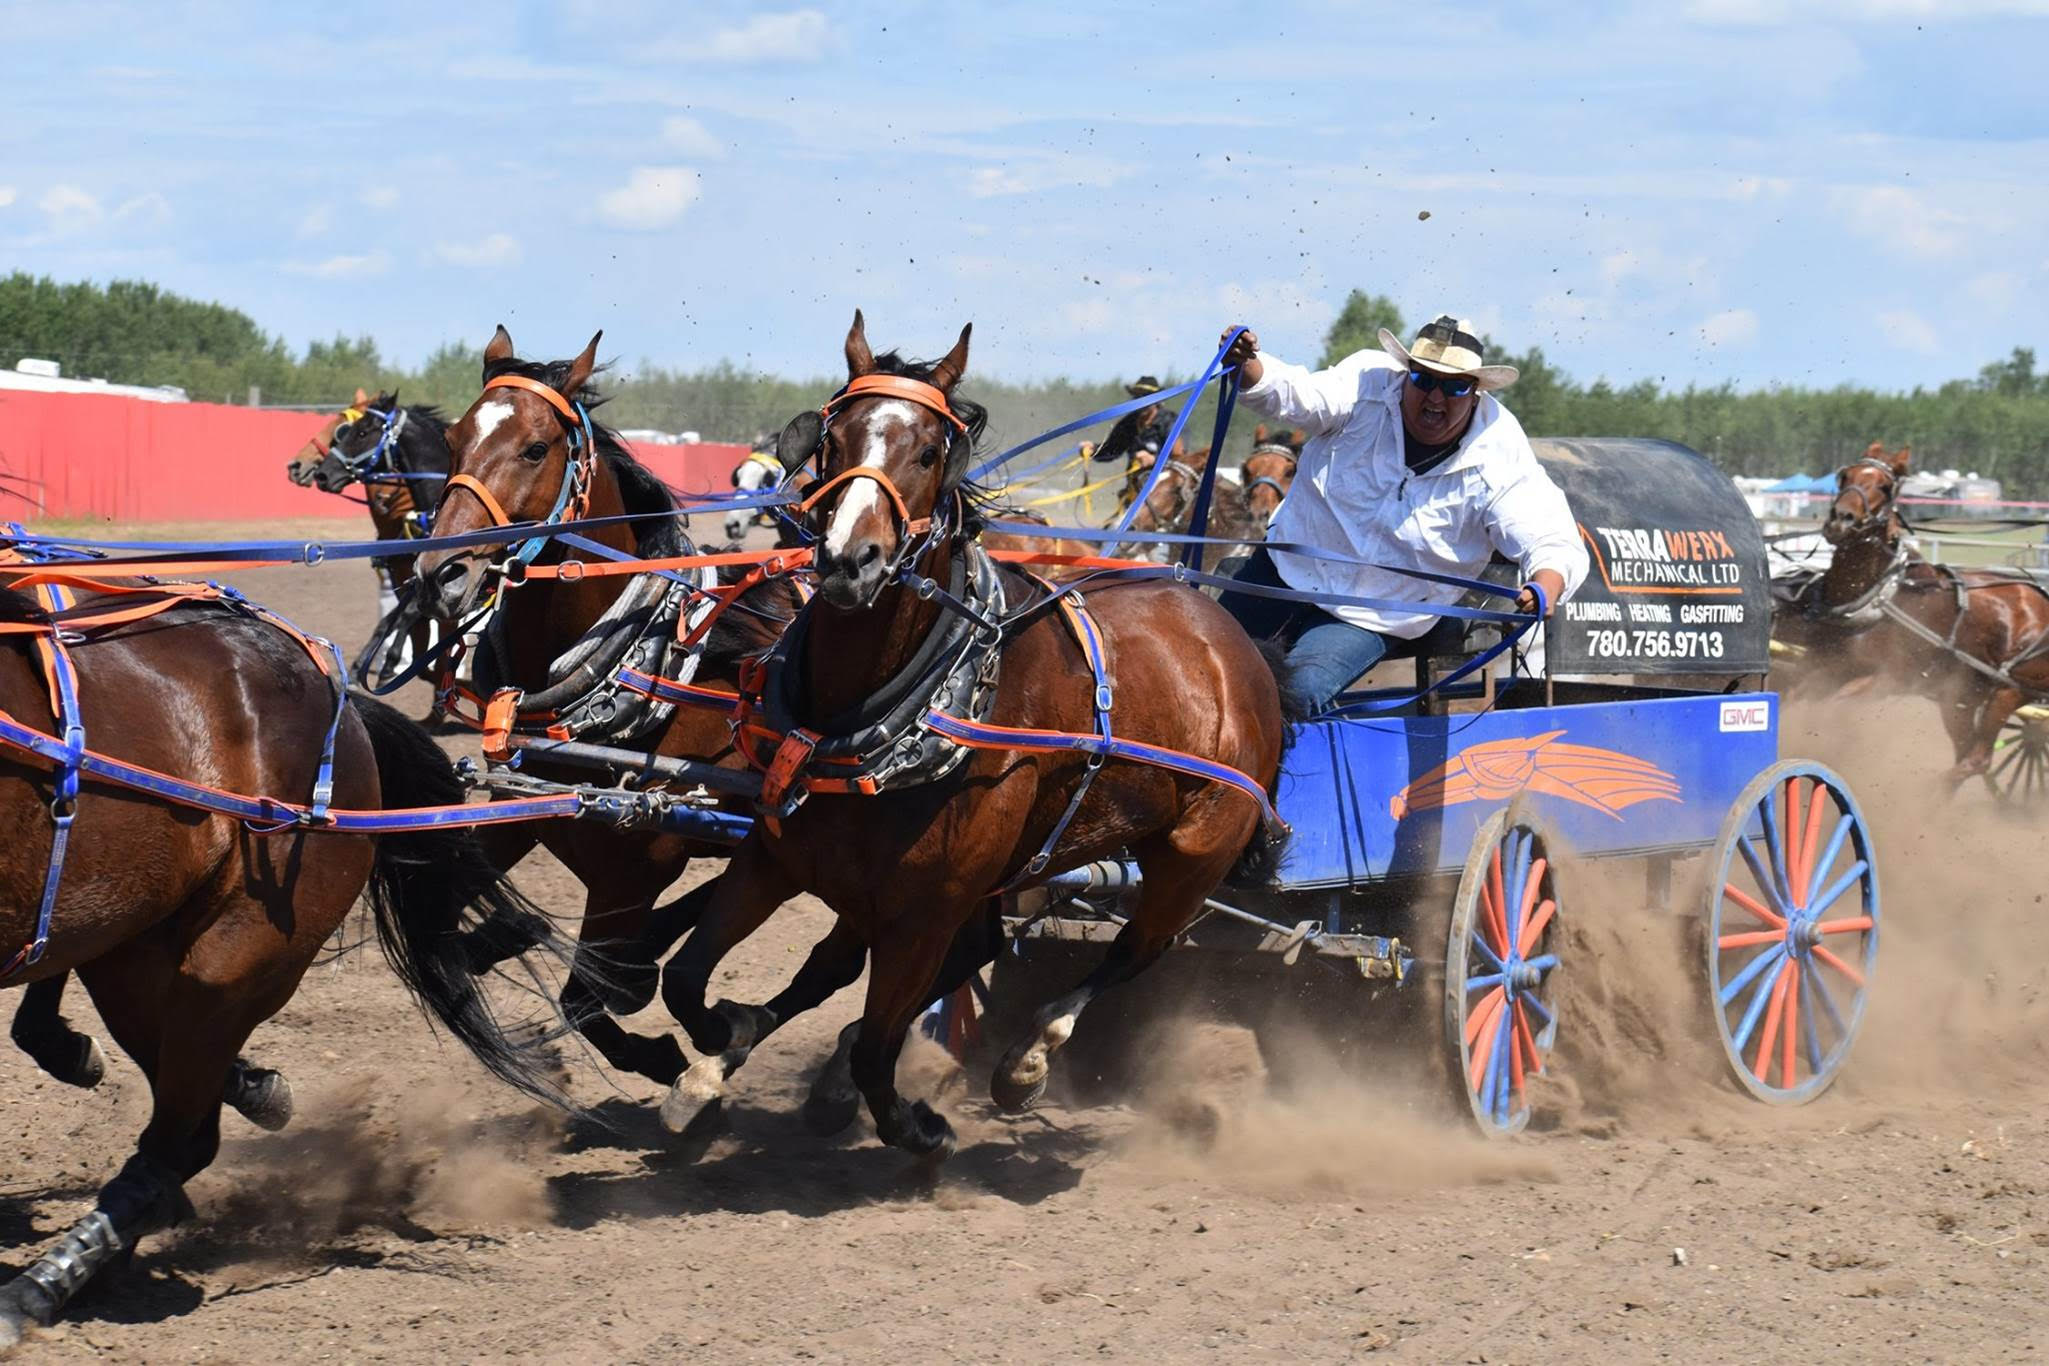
x: 413, y: 1210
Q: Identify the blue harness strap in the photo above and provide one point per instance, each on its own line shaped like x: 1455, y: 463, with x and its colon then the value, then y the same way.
x: 68, y: 755
x: 1089, y: 636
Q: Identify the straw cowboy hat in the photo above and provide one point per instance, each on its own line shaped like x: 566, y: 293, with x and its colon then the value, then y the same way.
x: 1449, y: 346
x: 1144, y: 385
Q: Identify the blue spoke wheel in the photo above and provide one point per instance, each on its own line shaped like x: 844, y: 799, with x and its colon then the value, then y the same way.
x: 1500, y: 1014
x: 1792, y: 931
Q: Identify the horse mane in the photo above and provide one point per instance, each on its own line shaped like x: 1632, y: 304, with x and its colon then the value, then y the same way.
x: 978, y: 504
x: 643, y: 493
x: 17, y: 606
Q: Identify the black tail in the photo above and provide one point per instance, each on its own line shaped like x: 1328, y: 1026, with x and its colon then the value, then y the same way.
x: 422, y: 884
x: 1262, y: 857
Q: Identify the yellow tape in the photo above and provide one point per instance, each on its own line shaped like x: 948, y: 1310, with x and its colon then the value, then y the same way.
x: 1081, y: 492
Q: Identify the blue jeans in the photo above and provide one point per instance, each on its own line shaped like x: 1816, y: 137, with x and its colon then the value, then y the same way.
x: 1325, y: 655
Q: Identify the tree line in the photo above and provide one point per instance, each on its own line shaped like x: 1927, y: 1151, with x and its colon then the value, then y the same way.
x: 132, y: 332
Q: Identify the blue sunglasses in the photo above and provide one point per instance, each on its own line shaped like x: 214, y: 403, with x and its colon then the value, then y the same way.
x: 1453, y: 386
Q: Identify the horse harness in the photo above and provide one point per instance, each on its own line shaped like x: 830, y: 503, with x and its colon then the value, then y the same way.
x: 1266, y: 480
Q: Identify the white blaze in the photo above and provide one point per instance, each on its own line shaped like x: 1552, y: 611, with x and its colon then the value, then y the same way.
x: 860, y: 496
x: 488, y: 419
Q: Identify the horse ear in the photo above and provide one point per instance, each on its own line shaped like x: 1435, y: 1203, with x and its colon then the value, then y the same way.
x: 1259, y: 435
x: 947, y: 373
x: 580, y: 369
x: 1900, y: 460
x: 860, y: 360
x: 799, y: 440
x: 361, y: 398
x: 499, y: 347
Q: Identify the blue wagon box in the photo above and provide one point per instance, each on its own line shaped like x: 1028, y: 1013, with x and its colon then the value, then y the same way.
x: 1405, y: 797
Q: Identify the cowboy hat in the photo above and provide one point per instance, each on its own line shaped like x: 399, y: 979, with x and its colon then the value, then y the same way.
x: 1143, y: 385
x: 1449, y: 346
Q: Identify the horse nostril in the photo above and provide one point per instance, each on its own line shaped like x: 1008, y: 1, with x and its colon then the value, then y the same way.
x: 451, y: 574
x: 870, y: 553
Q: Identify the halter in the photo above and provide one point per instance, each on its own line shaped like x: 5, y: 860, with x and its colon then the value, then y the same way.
x: 572, y: 501
x: 378, y: 455
x: 927, y: 396
x: 1866, y: 517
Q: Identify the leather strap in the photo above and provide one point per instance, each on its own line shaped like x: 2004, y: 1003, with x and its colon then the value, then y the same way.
x: 546, y: 391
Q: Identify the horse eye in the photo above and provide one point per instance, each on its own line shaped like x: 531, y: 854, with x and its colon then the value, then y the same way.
x: 535, y: 453
x: 928, y: 457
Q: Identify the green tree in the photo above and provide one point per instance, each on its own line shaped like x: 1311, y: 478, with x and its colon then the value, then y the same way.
x: 2015, y: 376
x: 1358, y: 325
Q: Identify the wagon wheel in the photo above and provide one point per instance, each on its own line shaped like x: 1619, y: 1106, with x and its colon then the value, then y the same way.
x: 1499, y: 1004
x: 2019, y: 771
x: 1783, y: 946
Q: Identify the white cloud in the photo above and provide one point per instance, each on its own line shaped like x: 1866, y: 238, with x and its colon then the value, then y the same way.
x: 318, y: 220
x: 797, y: 36
x: 70, y: 208
x: 690, y: 137
x: 380, y: 197
x: 1995, y: 289
x: 1731, y: 327
x: 1760, y: 187
x: 1909, y: 331
x: 150, y: 209
x: 498, y: 249
x: 341, y: 267
x: 1051, y: 174
x: 652, y: 197
x: 6, y: 195
x: 1902, y: 220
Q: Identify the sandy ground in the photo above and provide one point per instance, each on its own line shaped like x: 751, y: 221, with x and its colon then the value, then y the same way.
x: 414, y: 1211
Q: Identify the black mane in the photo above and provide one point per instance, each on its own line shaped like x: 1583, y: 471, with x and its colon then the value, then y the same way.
x: 639, y: 488
x: 978, y: 504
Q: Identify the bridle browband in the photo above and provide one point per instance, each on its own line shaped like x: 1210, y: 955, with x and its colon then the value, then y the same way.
x: 1268, y: 481
x: 572, y: 501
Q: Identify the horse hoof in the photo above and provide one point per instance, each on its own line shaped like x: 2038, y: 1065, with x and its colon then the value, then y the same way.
x: 23, y: 1305
x: 262, y: 1097
x: 922, y: 1132
x: 829, y: 1110
x: 1017, y: 1087
x: 696, y: 1099
x: 88, y: 1067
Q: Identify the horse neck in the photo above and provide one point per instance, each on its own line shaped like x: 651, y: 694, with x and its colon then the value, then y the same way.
x: 544, y: 617
x: 1855, y: 569
x: 848, y: 656
x: 422, y: 446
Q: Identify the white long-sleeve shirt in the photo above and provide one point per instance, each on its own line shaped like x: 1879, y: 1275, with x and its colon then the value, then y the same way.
x: 1354, y: 494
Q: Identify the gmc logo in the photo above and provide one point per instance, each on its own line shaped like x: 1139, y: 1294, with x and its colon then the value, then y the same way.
x: 1741, y: 716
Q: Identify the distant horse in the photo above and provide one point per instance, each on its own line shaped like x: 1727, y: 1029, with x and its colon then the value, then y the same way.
x: 400, y: 457
x: 869, y: 664
x: 522, y: 453
x: 188, y: 928
x: 1269, y: 472
x: 1975, y: 640
x: 1170, y: 507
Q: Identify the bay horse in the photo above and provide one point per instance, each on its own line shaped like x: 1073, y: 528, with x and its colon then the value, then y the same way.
x: 1170, y: 507
x: 1974, y: 640
x: 189, y: 928
x: 399, y: 455
x: 1269, y: 472
x: 911, y: 870
x: 514, y: 457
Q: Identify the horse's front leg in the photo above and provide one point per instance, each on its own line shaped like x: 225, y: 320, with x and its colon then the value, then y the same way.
x: 41, y: 1031
x: 901, y: 970
x: 1981, y: 733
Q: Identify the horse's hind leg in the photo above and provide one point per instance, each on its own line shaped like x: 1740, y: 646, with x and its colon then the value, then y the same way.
x: 901, y: 971
x: 1974, y: 745
x: 1170, y: 894
x: 46, y: 1036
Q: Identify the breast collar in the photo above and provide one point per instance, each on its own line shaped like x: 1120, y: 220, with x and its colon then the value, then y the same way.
x: 883, y: 743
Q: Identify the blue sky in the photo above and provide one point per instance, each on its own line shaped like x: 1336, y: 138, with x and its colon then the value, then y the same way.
x: 1809, y: 192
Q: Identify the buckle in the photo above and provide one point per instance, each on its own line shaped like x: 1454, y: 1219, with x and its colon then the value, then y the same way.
x: 781, y: 791
x: 501, y: 713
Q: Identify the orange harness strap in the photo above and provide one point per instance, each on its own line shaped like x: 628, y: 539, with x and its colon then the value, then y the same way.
x: 492, y: 508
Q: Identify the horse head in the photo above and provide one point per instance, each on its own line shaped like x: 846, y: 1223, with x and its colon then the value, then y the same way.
x: 360, y: 438
x: 525, y: 451
x: 892, y: 446
x: 1269, y: 471
x: 302, y: 466
x: 1867, y: 496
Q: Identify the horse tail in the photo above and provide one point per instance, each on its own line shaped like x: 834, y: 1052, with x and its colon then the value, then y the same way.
x: 421, y: 885
x: 1262, y: 857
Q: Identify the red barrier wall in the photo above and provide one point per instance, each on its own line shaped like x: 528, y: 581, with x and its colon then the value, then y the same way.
x: 108, y: 458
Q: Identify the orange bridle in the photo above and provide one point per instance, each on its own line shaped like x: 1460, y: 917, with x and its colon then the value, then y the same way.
x: 927, y: 396
x: 573, y: 501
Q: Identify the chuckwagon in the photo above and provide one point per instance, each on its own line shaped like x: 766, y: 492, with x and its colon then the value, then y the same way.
x: 1435, y: 833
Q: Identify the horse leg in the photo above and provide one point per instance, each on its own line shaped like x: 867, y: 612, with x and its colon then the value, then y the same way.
x: 1171, y: 892
x: 1961, y: 704
x: 616, y: 974
x: 834, y: 1099
x: 46, y: 1036
x: 746, y: 895
x: 1974, y: 754
x: 901, y: 970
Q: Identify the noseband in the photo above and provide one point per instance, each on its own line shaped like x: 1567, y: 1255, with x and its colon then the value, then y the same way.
x: 572, y: 500
x: 1869, y: 517
x: 930, y: 397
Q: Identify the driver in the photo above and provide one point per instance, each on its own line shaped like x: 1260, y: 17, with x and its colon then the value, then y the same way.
x: 1412, y: 462
x: 760, y: 470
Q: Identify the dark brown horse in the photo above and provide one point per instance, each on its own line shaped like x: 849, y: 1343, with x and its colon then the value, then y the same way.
x: 189, y: 929
x: 908, y: 868
x: 1976, y: 641
x: 512, y: 453
x: 1170, y: 506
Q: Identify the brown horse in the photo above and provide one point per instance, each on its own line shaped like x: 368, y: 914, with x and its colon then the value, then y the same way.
x: 512, y: 452
x: 376, y: 443
x: 909, y: 867
x: 189, y: 929
x: 1975, y: 640
x: 1269, y: 472
x: 1170, y: 507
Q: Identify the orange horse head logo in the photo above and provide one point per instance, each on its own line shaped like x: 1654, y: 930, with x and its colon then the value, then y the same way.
x: 1497, y: 769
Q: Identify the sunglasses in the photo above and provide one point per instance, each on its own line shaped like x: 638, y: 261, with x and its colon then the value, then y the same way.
x: 1452, y: 386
